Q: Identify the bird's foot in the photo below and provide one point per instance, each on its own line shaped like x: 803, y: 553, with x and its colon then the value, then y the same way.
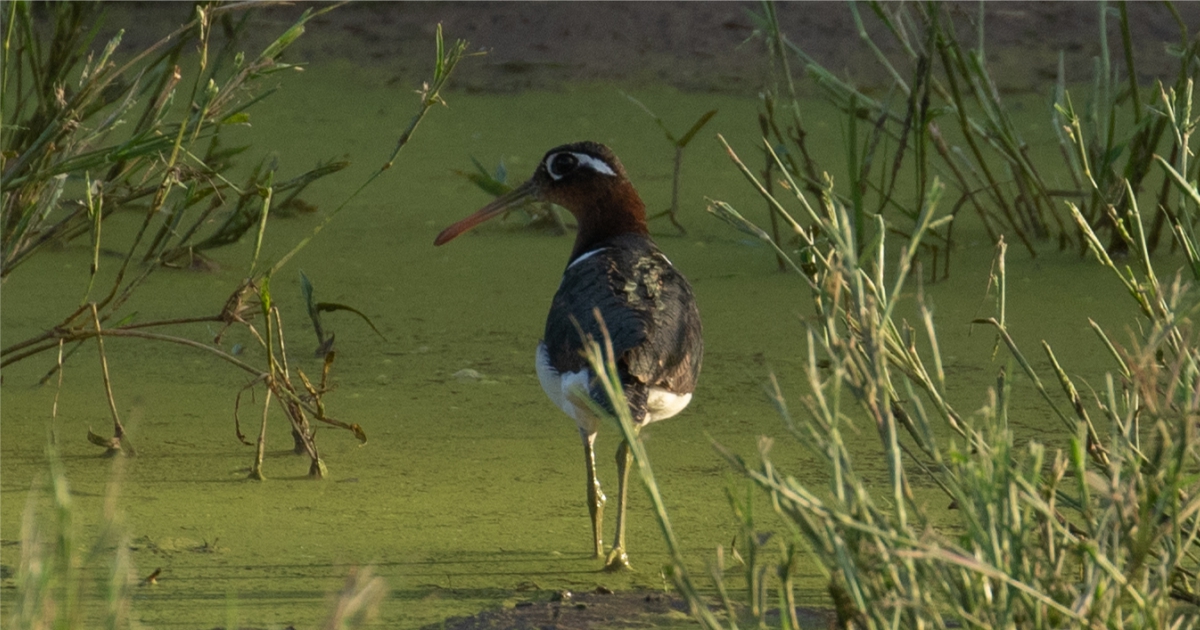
x: 617, y: 561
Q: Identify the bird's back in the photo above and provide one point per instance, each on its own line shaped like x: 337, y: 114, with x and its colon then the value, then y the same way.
x: 651, y: 317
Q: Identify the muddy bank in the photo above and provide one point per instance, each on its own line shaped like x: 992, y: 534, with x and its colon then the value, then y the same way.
x: 694, y: 46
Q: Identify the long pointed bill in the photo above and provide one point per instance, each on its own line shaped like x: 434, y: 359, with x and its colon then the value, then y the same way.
x: 515, y: 197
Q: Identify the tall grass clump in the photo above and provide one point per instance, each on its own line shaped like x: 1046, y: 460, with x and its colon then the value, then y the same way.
x: 89, y: 133
x: 942, y: 115
x: 1103, y: 533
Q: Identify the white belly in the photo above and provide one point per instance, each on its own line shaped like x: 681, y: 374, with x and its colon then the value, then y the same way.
x: 660, y: 404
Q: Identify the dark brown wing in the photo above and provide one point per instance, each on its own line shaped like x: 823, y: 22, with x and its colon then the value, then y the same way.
x: 650, y: 313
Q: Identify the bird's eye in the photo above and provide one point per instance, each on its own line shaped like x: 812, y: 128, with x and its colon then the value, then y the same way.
x: 560, y: 164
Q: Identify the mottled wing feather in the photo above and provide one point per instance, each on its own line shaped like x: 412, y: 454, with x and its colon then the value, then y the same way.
x: 648, y: 309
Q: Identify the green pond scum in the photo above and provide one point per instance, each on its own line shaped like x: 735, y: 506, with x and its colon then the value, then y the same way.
x: 468, y: 494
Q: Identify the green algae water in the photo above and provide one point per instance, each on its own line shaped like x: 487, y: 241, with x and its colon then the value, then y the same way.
x: 469, y: 493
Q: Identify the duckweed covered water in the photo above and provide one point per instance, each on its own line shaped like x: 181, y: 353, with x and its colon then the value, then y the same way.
x: 470, y: 491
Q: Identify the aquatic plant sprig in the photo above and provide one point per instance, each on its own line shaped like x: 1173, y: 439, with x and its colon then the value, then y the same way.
x: 296, y: 406
x: 679, y: 144
x: 445, y: 61
x: 1177, y: 107
x: 277, y: 377
x: 315, y: 308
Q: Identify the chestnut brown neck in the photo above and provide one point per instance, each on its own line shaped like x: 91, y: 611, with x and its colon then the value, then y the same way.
x: 611, y: 211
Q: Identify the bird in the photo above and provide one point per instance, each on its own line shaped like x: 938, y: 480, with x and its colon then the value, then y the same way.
x: 616, y: 279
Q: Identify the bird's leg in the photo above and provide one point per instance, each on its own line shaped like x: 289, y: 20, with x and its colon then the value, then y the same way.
x: 594, y: 494
x: 617, y: 559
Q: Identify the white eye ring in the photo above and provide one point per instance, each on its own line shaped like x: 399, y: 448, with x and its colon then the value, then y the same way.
x: 585, y: 160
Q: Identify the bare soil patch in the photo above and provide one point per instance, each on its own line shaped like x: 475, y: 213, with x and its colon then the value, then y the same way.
x: 695, y: 46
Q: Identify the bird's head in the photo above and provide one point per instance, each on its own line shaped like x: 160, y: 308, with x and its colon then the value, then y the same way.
x: 587, y: 179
